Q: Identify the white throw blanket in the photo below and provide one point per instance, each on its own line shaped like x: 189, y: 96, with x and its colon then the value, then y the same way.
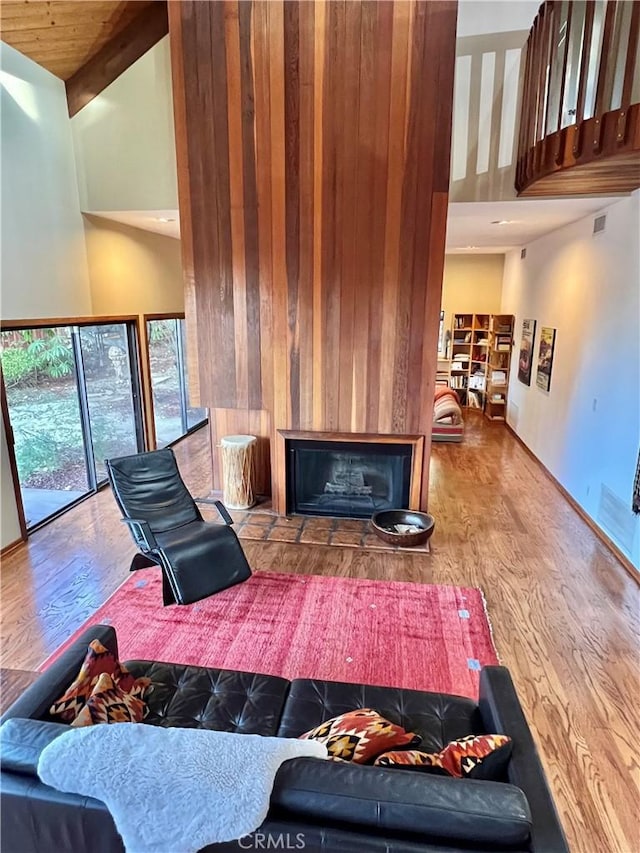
x: 172, y: 790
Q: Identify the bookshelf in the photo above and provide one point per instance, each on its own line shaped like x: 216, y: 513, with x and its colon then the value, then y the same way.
x: 443, y: 371
x: 500, y: 348
x: 480, y: 358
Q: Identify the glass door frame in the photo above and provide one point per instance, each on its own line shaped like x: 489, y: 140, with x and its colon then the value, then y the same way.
x: 183, y: 390
x: 141, y: 414
x: 184, y: 395
x: 133, y: 343
x: 13, y: 467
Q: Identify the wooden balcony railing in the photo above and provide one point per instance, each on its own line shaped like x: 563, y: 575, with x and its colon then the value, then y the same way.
x: 580, y: 120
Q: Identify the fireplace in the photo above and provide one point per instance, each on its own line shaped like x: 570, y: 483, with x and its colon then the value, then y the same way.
x: 349, y: 476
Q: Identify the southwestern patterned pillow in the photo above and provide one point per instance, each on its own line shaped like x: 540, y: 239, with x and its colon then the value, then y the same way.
x: 474, y: 757
x: 108, y: 703
x: 97, y: 661
x: 360, y: 735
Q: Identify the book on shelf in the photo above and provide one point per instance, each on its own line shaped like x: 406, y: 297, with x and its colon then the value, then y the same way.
x: 473, y: 400
x: 462, y: 321
x: 498, y: 377
x: 458, y: 382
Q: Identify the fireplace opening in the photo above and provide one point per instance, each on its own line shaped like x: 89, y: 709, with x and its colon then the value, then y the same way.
x: 347, y: 479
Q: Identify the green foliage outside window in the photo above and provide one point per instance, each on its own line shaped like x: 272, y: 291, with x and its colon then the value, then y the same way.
x: 33, y: 357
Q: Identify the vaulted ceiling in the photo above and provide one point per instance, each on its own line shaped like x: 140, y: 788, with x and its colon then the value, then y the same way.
x: 60, y: 35
x: 87, y: 43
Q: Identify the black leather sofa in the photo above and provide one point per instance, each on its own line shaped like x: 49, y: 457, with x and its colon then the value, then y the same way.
x: 316, y: 805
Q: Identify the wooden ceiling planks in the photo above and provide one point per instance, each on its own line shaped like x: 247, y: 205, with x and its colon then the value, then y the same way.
x: 63, y: 36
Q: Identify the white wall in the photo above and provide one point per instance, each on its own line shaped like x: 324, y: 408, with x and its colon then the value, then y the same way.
x: 489, y: 65
x: 132, y: 271
x: 44, y: 264
x: 124, y: 140
x: 472, y: 284
x: 481, y: 17
x: 43, y: 260
x: 586, y: 430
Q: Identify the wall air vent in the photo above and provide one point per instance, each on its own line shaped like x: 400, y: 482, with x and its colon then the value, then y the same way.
x: 523, y: 254
x: 616, y: 518
x: 599, y: 223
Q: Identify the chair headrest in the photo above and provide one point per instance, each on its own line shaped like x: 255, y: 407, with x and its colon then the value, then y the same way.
x: 149, y: 486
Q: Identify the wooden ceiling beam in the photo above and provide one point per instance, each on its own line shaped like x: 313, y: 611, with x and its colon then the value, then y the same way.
x: 117, y: 55
x: 62, y: 35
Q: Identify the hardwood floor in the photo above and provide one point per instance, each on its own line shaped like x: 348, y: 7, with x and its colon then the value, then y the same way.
x: 13, y: 682
x: 565, y: 613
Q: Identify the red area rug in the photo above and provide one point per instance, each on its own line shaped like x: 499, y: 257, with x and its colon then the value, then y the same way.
x: 392, y: 634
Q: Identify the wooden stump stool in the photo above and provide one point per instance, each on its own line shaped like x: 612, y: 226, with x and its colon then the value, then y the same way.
x: 237, y: 453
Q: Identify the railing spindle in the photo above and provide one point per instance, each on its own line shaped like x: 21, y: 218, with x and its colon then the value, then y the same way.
x: 586, y: 54
x: 607, y: 36
x: 554, y: 28
x: 563, y: 79
x: 545, y: 41
x: 532, y: 94
x: 630, y: 64
x: 522, y: 135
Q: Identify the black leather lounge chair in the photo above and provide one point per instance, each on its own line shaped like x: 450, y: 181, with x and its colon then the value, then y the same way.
x: 197, y: 558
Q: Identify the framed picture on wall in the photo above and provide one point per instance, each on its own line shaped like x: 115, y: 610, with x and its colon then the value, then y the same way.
x: 525, y: 358
x: 545, y: 357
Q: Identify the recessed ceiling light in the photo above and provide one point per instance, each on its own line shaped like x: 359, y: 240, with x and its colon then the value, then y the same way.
x: 164, y: 219
x: 503, y: 221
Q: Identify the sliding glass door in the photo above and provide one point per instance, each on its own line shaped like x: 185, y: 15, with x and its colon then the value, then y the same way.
x: 73, y: 399
x: 39, y: 371
x: 112, y: 394
x: 172, y: 414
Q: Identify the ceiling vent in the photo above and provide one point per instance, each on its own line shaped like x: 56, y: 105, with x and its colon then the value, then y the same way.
x: 523, y: 254
x: 599, y: 223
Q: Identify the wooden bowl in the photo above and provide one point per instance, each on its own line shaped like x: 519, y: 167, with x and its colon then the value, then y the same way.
x: 384, y: 522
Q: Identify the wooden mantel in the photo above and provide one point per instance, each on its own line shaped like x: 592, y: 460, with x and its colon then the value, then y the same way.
x: 313, y: 143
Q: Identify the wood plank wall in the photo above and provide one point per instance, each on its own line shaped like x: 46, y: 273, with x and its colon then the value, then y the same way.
x: 313, y: 147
